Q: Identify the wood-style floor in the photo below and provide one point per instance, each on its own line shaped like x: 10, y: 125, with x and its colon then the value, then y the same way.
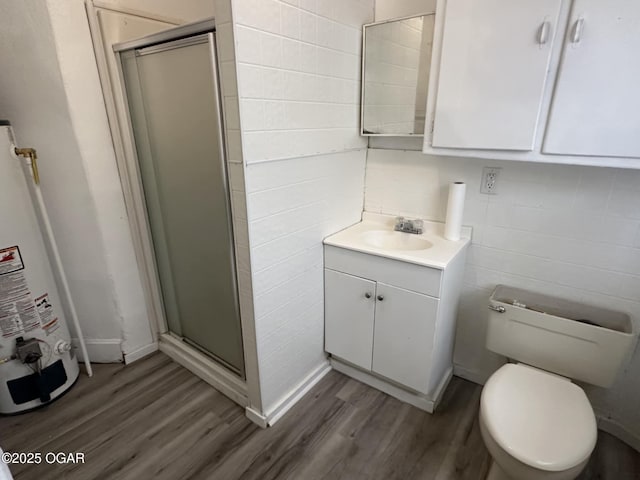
x: 155, y: 420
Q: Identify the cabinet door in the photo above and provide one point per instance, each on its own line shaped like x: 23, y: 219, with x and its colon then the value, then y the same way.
x: 348, y: 317
x: 403, y: 336
x: 493, y: 70
x: 596, y: 103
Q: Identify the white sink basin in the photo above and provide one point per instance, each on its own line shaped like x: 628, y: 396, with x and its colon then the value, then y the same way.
x: 392, y: 240
x: 375, y: 235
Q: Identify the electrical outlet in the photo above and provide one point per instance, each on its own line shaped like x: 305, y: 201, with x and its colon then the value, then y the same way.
x: 489, y: 183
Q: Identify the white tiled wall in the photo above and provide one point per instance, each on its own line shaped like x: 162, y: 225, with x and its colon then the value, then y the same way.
x: 387, y: 9
x: 293, y: 205
x: 567, y: 231
x: 236, y: 174
x: 299, y: 75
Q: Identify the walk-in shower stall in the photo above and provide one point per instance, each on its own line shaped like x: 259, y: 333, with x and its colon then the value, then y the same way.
x: 176, y: 118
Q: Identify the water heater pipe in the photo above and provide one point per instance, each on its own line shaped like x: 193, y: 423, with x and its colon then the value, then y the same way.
x: 30, y: 154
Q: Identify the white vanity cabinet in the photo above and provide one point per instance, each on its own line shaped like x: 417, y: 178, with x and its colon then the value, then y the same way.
x: 391, y: 323
x: 536, y: 80
x: 378, y: 327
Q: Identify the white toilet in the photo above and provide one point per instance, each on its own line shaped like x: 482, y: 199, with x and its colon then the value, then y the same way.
x: 535, y: 423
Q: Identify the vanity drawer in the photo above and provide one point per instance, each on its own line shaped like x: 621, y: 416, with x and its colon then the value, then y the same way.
x: 409, y: 276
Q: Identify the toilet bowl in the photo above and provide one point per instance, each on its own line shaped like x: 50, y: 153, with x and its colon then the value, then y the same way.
x: 536, y: 425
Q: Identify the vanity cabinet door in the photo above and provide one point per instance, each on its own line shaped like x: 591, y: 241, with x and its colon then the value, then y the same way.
x: 596, y: 101
x: 493, y: 69
x: 403, y: 337
x: 349, y: 307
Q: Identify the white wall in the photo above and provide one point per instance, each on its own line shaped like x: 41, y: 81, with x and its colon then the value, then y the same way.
x: 293, y: 204
x: 298, y: 79
x: 568, y: 231
x: 184, y: 11
x: 34, y: 96
x: 77, y: 63
x: 299, y: 76
x: 387, y: 9
x: 51, y: 92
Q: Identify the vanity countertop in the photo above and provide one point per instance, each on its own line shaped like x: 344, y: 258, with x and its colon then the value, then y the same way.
x: 374, y: 235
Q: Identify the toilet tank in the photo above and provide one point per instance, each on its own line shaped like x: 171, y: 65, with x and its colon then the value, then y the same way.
x: 571, y: 339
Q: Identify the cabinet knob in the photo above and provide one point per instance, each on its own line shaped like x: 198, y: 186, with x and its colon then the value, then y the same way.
x: 380, y: 298
x: 367, y: 295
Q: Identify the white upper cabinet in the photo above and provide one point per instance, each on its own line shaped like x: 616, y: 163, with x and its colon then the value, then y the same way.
x: 536, y: 80
x: 493, y: 70
x: 596, y: 104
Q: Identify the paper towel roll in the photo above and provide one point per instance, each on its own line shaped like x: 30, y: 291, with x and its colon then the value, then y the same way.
x: 455, y: 208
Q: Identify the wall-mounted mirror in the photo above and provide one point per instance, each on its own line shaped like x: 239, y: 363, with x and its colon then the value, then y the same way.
x: 395, y: 75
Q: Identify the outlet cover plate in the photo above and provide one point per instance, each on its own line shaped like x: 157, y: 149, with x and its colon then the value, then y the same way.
x: 489, y: 182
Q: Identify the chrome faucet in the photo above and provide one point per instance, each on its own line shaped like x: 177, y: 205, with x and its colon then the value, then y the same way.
x: 408, y: 226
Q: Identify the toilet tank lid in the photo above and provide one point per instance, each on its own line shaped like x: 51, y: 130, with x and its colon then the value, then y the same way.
x: 560, y: 307
x: 539, y: 418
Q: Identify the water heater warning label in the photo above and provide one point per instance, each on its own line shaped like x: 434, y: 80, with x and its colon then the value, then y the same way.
x: 18, y: 312
x: 10, y: 260
x: 45, y: 310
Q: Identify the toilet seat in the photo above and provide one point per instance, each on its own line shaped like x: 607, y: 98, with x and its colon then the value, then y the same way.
x: 541, y: 419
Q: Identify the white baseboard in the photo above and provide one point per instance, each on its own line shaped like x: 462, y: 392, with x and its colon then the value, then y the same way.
x: 256, y: 417
x: 204, y: 367
x: 141, y: 352
x: 100, y: 350
x: 419, y: 401
x: 289, y: 400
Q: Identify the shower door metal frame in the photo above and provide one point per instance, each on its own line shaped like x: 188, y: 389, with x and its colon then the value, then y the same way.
x: 230, y: 383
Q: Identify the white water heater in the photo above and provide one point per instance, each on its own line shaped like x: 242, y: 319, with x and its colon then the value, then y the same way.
x: 37, y: 363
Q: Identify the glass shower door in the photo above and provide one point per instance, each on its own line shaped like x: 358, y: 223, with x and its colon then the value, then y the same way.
x: 175, y: 113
